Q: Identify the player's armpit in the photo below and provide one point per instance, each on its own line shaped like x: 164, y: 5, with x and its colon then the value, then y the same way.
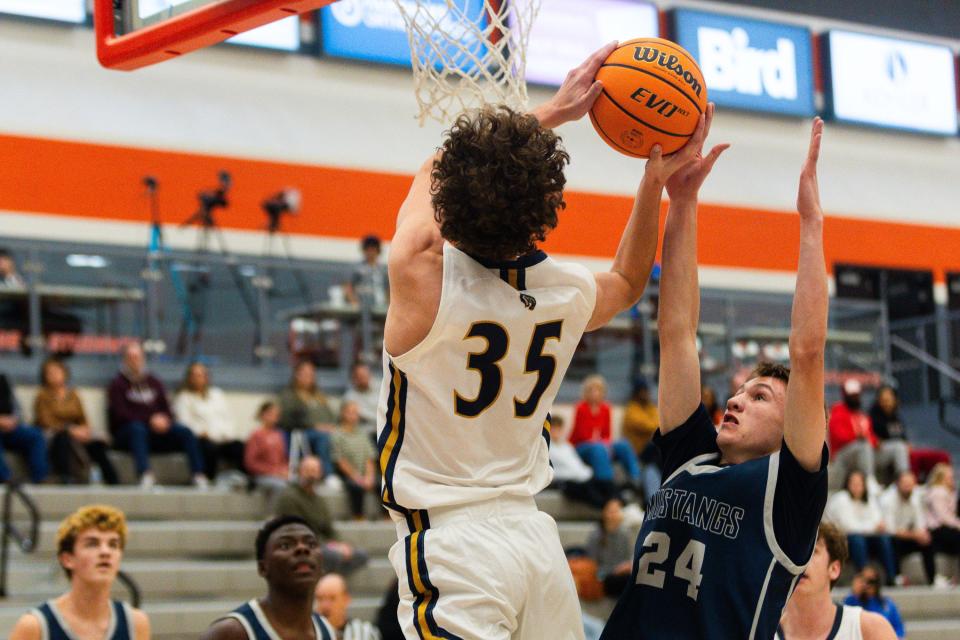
x: 873, y: 626
x: 27, y: 628
x: 226, y: 629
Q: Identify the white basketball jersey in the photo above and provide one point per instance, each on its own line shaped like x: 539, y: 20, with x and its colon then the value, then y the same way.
x: 463, y: 415
x: 846, y: 625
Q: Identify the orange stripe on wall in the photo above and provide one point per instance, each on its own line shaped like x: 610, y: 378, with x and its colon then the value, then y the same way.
x: 102, y: 181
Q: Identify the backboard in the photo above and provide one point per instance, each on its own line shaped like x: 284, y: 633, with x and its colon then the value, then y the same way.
x: 136, y: 33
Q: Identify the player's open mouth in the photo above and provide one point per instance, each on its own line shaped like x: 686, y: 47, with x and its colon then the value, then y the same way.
x: 303, y: 567
x: 729, y: 418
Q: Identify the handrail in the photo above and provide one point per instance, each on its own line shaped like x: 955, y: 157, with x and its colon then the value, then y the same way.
x: 27, y: 543
x: 925, y: 358
x: 132, y: 588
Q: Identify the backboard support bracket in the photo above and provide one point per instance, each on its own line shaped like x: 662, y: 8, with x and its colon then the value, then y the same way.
x: 188, y: 32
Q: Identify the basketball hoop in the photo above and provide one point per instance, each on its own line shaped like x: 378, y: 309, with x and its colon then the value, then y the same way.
x: 467, y: 53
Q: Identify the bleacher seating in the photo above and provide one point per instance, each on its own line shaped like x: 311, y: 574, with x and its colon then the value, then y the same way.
x: 191, y: 551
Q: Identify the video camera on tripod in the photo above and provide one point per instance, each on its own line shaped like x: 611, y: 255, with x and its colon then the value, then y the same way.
x: 211, y: 200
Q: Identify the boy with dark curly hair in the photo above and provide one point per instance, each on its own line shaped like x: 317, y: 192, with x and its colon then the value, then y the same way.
x: 481, y: 328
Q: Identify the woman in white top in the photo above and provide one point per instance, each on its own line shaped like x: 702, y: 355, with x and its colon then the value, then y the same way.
x: 859, y: 516
x: 204, y: 409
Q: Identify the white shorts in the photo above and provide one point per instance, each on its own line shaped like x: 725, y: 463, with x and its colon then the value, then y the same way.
x: 488, y: 571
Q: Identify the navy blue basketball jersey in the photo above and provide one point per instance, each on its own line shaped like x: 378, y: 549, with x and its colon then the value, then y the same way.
x: 255, y: 623
x: 708, y: 562
x: 54, y: 627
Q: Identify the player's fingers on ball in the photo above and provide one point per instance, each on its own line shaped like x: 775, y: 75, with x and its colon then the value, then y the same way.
x: 593, y: 93
x: 656, y: 151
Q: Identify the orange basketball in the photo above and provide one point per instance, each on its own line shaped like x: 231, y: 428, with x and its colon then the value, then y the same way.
x: 653, y: 93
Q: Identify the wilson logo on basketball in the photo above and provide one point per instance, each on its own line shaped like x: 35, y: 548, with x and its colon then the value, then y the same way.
x: 668, y: 61
x: 652, y: 101
x: 632, y: 139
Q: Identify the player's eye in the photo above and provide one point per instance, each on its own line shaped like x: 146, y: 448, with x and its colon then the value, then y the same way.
x: 759, y: 396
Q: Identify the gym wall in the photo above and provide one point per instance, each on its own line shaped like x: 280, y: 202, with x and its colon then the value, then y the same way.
x: 75, y: 141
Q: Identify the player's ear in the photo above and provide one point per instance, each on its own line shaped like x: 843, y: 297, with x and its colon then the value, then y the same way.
x: 834, y: 570
x: 261, y: 568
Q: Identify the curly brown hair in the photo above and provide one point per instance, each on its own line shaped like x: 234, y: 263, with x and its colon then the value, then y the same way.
x: 498, y: 183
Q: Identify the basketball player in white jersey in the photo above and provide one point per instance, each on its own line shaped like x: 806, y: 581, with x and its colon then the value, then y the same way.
x: 90, y: 545
x: 480, y: 330
x: 811, y: 613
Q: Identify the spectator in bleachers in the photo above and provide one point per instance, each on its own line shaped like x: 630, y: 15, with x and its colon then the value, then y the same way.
x: 941, y: 512
x: 365, y: 392
x: 640, y: 421
x: 300, y: 498
x: 90, y: 544
x: 306, y: 410
x: 15, y: 435
x: 852, y: 441
x: 8, y: 270
x: 353, y: 454
x: 204, y: 409
x: 591, y: 434
x: 141, y: 421
x: 265, y: 454
x: 612, y: 549
x: 903, y: 517
x: 58, y: 410
x: 858, y: 515
x: 333, y: 603
x: 866, y: 593
x: 894, y: 450
x: 570, y: 473
x: 709, y: 399
x: 368, y: 281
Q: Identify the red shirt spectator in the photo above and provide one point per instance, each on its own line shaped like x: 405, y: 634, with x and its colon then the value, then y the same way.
x: 848, y: 422
x: 266, y: 451
x: 592, y: 418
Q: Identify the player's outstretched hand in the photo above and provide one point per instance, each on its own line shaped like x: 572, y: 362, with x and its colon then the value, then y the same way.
x: 685, y: 182
x: 578, y: 92
x: 808, y: 197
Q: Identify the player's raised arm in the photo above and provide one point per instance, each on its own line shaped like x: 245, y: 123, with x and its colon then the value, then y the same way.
x: 679, y: 307
x: 621, y: 287
x: 804, y: 427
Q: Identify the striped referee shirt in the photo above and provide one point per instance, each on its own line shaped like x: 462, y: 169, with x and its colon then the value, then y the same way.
x: 357, y: 629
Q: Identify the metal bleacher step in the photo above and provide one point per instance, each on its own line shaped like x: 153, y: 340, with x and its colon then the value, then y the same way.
x: 191, y: 553
x: 233, y: 539
x: 187, y: 503
x: 186, y: 619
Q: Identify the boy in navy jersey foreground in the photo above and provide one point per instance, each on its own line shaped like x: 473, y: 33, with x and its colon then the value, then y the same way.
x: 735, y: 520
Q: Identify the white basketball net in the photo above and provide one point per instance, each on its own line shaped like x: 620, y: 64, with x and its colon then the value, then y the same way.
x: 467, y: 53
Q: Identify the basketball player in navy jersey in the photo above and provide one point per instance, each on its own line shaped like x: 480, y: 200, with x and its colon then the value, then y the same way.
x: 812, y: 614
x: 734, y: 523
x: 289, y: 559
x: 90, y: 545
x: 481, y: 328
